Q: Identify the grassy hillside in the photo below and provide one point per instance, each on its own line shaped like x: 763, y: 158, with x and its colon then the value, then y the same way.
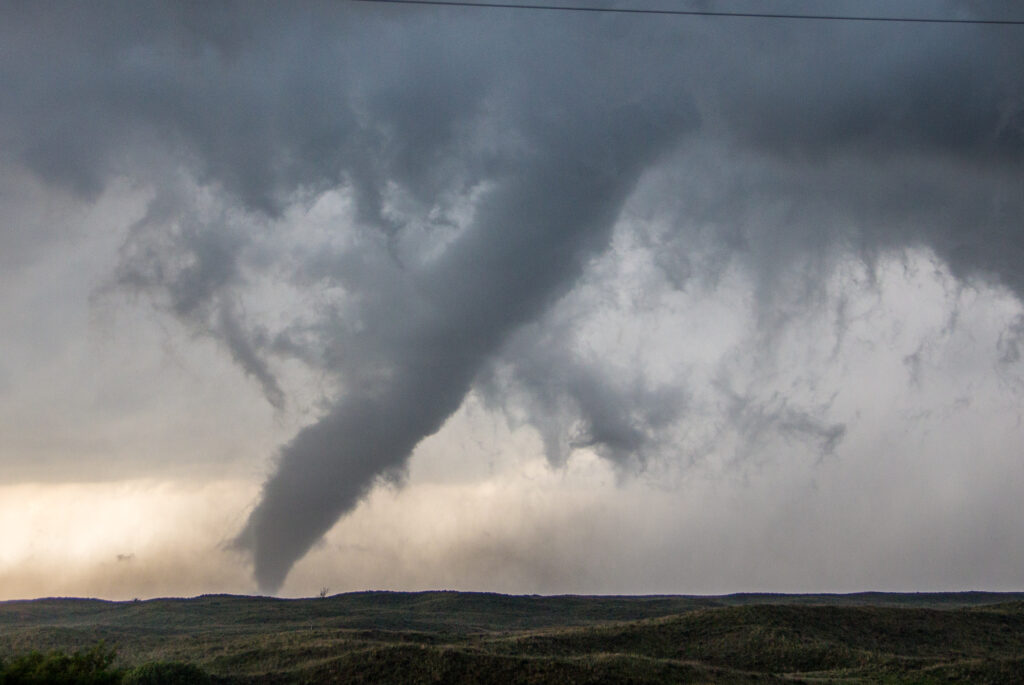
x: 437, y: 637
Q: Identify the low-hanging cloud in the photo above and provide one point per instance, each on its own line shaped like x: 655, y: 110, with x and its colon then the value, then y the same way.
x: 485, y: 162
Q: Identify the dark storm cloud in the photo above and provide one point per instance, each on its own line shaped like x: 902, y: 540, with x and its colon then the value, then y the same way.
x: 911, y: 136
x: 489, y: 156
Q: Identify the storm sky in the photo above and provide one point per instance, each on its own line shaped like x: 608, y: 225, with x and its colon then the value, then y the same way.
x: 369, y: 296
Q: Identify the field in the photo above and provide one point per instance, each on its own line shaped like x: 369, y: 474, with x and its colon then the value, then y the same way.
x: 451, y: 637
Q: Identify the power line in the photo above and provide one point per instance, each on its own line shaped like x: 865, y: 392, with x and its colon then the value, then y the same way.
x: 698, y: 13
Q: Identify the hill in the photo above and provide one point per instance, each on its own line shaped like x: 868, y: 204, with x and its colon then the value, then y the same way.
x: 434, y: 637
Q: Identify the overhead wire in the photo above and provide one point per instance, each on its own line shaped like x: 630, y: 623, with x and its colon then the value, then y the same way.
x: 699, y: 13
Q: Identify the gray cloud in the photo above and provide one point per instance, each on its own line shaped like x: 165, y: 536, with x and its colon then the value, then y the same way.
x: 577, y: 401
x: 1010, y: 342
x: 485, y: 174
x: 525, y: 246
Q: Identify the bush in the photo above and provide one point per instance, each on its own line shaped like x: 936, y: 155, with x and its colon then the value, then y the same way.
x: 166, y: 673
x: 85, y: 667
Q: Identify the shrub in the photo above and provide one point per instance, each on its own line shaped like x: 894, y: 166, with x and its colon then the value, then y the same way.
x: 166, y: 673
x: 85, y: 667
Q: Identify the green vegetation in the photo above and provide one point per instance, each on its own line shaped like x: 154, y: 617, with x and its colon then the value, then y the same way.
x: 166, y: 673
x: 448, y: 637
x: 94, y: 666
x: 85, y: 667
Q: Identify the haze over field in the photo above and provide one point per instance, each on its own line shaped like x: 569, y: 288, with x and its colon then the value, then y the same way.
x: 369, y: 296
